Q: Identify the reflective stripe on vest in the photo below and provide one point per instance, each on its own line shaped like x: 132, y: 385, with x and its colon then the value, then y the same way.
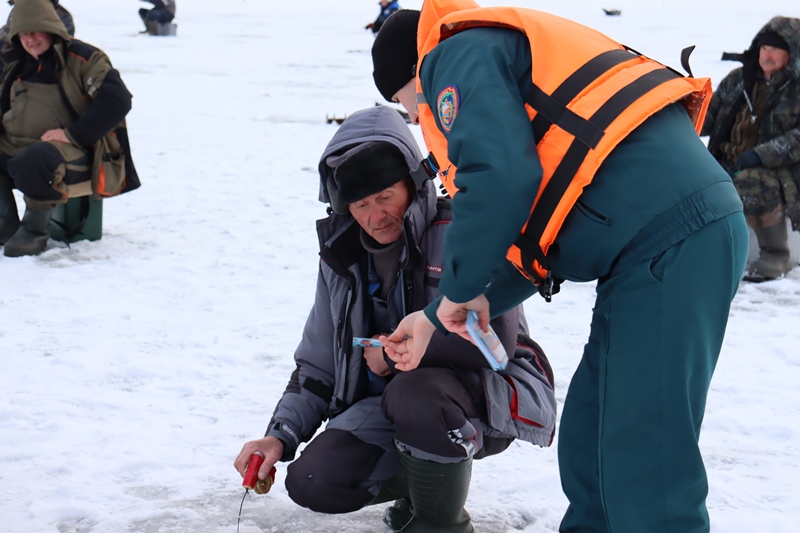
x: 583, y: 103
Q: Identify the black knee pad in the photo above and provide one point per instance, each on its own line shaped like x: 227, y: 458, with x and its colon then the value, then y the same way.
x: 33, y: 171
x: 330, y: 474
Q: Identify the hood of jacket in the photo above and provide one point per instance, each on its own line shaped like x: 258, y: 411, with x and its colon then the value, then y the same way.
x: 786, y: 27
x: 379, y: 123
x: 35, y: 15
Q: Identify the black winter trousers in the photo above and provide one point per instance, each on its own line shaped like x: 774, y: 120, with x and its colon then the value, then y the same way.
x: 434, y: 414
x: 44, y: 170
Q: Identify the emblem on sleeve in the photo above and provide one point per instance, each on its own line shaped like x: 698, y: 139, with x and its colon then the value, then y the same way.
x: 447, y: 106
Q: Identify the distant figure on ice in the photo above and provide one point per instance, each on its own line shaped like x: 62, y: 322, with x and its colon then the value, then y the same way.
x: 754, y: 125
x: 405, y: 436
x: 63, y: 14
x: 163, y: 11
x: 387, y: 8
x: 63, y: 110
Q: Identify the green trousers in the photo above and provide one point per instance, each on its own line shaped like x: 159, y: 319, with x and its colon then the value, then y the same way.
x: 627, y: 451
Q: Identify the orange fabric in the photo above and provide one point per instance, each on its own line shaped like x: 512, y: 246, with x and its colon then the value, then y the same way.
x: 575, y: 45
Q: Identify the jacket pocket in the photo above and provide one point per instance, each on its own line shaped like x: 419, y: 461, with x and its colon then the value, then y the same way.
x: 593, y: 214
x: 521, y: 409
x: 108, y: 167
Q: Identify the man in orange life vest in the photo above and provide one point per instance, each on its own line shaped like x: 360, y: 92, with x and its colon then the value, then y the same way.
x: 571, y: 158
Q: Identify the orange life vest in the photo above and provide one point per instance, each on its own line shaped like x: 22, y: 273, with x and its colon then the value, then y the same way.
x: 589, y: 93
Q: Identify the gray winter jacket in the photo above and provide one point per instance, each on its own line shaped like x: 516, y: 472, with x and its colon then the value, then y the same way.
x: 331, y: 375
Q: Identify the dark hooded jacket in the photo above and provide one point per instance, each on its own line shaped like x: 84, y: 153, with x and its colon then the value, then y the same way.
x: 779, y: 146
x: 90, y: 88
x: 331, y: 375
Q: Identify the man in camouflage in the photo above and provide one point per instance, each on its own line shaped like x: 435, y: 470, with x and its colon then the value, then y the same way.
x: 754, y: 126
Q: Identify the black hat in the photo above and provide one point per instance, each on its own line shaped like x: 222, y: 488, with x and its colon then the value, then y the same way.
x: 771, y: 38
x: 364, y: 170
x: 394, y: 52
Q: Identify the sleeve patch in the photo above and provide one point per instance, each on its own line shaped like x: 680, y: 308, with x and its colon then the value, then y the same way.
x: 447, y: 104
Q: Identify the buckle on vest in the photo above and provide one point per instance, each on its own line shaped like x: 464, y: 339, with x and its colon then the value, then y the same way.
x: 550, y: 286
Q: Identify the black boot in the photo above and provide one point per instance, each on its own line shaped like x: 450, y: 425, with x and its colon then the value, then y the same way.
x: 31, y: 237
x: 398, y: 514
x: 438, y: 492
x: 9, y: 218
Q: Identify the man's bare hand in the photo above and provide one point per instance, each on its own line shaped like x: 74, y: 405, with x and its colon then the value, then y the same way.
x: 270, y: 447
x: 408, y: 343
x: 375, y: 361
x: 454, y: 316
x: 57, y: 135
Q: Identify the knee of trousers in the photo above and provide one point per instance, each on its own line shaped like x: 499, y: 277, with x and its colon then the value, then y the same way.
x: 33, y: 171
x: 760, y: 190
x: 332, y: 472
x: 427, y: 398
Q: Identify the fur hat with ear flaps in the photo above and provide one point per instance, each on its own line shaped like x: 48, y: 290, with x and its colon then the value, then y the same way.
x: 364, y: 170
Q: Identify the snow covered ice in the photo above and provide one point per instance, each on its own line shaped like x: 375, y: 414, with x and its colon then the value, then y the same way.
x: 135, y: 367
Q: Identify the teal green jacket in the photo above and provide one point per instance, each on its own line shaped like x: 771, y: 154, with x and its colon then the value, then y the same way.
x: 655, y: 189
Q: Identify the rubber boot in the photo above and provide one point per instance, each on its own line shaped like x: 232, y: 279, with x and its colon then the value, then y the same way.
x: 438, y: 492
x: 773, y: 258
x: 398, y: 514
x: 9, y: 217
x: 31, y: 237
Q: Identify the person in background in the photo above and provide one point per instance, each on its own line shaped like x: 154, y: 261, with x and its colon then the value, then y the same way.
x: 63, y: 109
x: 387, y: 8
x: 63, y: 14
x: 163, y: 11
x: 405, y: 436
x: 572, y: 157
x: 753, y: 124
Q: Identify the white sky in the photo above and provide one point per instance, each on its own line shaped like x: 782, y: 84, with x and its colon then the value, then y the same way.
x: 135, y: 367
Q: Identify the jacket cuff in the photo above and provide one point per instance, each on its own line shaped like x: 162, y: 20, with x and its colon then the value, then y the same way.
x: 430, y: 312
x: 72, y: 138
x: 287, y: 436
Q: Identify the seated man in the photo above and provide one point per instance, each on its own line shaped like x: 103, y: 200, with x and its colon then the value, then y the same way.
x: 409, y: 436
x: 753, y: 122
x: 162, y: 12
x: 52, y: 80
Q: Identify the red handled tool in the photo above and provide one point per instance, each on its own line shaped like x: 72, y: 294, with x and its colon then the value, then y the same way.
x: 251, y: 476
x: 251, y: 481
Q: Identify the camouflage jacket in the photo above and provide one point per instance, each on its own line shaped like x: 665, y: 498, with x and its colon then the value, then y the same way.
x: 779, y: 130
x: 780, y: 121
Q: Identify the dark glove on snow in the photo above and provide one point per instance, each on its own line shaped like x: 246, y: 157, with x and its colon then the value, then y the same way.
x: 748, y: 159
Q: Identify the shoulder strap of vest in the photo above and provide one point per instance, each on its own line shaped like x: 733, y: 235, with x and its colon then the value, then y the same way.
x: 528, y: 242
x: 551, y: 109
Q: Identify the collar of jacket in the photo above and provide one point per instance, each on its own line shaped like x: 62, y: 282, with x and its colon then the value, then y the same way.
x: 14, y: 58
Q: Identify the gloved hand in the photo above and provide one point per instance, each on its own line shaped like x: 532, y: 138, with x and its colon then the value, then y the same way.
x: 748, y: 159
x: 369, y: 26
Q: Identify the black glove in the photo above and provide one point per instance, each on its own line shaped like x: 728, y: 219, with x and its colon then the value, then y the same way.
x: 748, y: 159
